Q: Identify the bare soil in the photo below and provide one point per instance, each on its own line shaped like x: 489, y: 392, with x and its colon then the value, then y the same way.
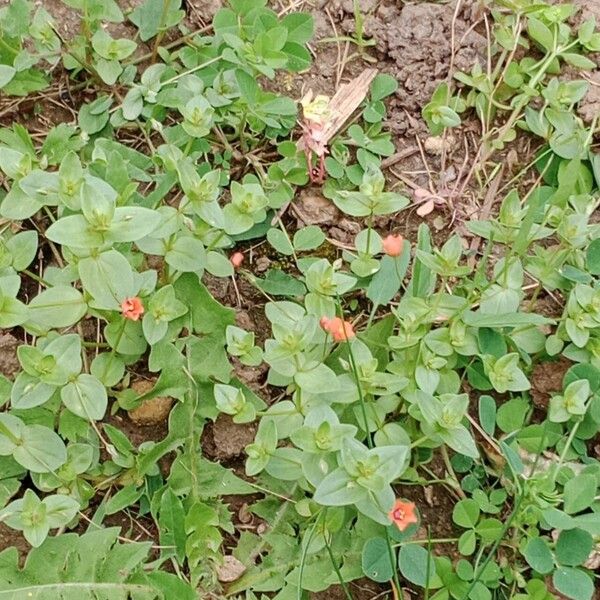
x: 9, y: 363
x: 416, y: 44
x: 224, y: 440
x: 547, y: 380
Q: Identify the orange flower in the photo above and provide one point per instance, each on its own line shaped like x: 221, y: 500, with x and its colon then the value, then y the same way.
x: 132, y: 308
x: 236, y: 259
x: 403, y: 514
x: 340, y: 330
x: 393, y: 245
x: 324, y: 323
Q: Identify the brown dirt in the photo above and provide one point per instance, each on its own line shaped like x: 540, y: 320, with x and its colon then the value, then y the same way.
x: 9, y: 537
x: 246, y: 299
x: 136, y: 434
x: 9, y: 363
x: 589, y: 107
x: 136, y: 528
x: 312, y: 208
x: 415, y: 41
x: 224, y: 439
x: 151, y: 412
x: 549, y: 306
x: 67, y: 19
x: 413, y: 44
x: 203, y: 10
x: 589, y: 9
x: 546, y: 380
x: 361, y: 589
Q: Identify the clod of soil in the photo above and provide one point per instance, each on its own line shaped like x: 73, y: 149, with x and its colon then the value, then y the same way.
x: 345, y: 231
x: 546, y: 380
x: 224, y: 439
x: 589, y: 107
x: 230, y: 570
x: 150, y: 412
x: 9, y: 363
x: 250, y: 376
x: 312, y: 208
x: 436, y: 145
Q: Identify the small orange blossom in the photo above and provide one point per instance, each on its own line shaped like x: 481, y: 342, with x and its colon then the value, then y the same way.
x: 393, y: 244
x: 340, y: 330
x: 236, y: 259
x: 132, y: 308
x: 324, y: 323
x: 403, y: 514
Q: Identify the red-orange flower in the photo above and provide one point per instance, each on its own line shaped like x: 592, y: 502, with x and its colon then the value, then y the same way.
x: 393, y: 244
x: 132, y: 308
x: 236, y: 259
x: 324, y: 323
x: 403, y: 514
x: 339, y: 329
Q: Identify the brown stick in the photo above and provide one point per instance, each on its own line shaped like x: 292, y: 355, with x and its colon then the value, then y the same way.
x: 390, y: 161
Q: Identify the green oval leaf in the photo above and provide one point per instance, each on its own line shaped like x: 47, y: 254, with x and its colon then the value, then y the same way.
x: 86, y: 397
x: 59, y: 306
x: 539, y: 556
x: 416, y: 564
x: 573, y: 547
x: 376, y: 563
x: 41, y: 450
x: 573, y: 583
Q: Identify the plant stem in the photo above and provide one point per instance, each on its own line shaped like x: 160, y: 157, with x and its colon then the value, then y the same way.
x: 243, y: 144
x: 287, y: 237
x: 35, y: 277
x: 419, y: 441
x: 360, y: 392
x: 95, y: 344
x: 304, y: 553
x: 429, y: 559
x: 427, y: 541
x: 263, y: 542
x: 563, y: 454
x: 337, y: 572
x: 450, y: 469
x: 163, y: 17
x: 192, y: 70
x: 178, y: 42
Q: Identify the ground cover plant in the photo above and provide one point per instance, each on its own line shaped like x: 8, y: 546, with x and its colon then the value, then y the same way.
x: 263, y: 338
